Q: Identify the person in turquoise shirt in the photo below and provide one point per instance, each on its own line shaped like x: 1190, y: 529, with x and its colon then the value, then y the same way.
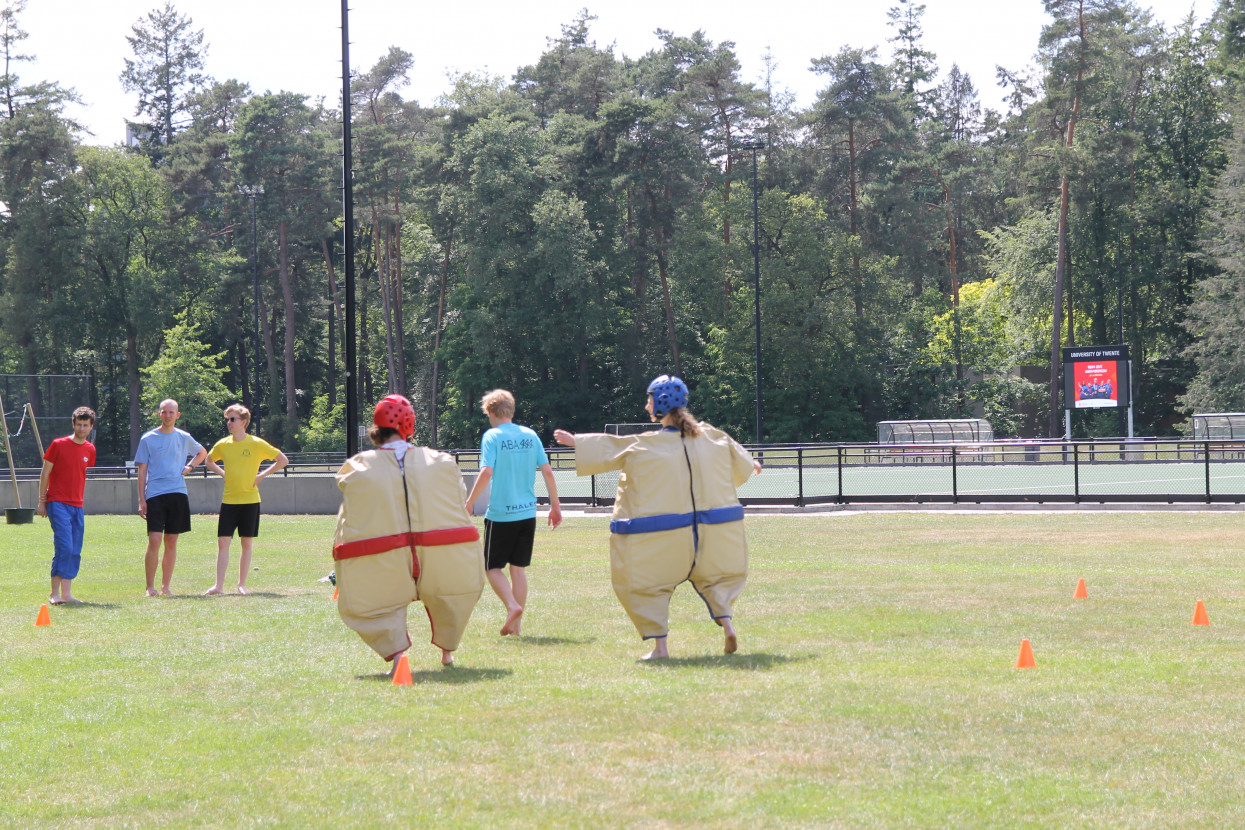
x: 510, y: 456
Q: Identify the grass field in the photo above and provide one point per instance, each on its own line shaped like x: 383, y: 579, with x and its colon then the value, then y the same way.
x: 875, y: 686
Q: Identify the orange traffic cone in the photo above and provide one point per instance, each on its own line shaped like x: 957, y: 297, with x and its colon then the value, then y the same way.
x: 1025, y: 660
x: 334, y: 593
x: 402, y: 672
x: 1080, y: 592
x: 44, y: 617
x: 1199, y: 614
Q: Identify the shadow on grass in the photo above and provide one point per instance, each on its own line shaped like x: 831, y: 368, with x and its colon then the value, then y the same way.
x: 69, y: 606
x: 554, y: 641
x: 448, y: 675
x: 257, y: 594
x: 738, y: 662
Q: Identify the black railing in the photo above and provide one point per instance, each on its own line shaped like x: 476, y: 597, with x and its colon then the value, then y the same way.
x: 1138, y: 470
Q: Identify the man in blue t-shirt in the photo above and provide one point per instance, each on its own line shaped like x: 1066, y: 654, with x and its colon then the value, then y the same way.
x: 510, y: 455
x: 165, y: 456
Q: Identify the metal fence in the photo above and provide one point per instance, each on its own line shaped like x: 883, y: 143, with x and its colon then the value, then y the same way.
x: 1137, y: 470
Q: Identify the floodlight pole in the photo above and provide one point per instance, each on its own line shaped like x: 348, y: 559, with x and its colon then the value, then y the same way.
x: 756, y: 274
x: 351, y: 381
x: 1126, y: 427
x: 251, y: 192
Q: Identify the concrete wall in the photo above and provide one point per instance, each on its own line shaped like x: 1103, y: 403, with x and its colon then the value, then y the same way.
x: 301, y: 494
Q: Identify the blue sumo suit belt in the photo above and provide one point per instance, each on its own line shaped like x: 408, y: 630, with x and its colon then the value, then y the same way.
x: 673, y: 521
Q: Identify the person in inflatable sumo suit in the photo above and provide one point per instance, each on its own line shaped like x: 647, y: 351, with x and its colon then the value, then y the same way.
x: 676, y: 515
x: 403, y: 535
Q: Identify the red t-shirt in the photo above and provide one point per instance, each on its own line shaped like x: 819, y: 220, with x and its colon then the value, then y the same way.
x: 69, y: 462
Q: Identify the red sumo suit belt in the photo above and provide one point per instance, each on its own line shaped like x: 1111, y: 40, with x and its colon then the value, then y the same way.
x: 421, y: 538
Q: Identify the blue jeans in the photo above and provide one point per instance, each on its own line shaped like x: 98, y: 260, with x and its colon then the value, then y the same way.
x: 68, y: 523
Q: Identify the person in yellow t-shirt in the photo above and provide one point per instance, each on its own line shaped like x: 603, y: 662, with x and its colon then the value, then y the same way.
x: 239, y: 509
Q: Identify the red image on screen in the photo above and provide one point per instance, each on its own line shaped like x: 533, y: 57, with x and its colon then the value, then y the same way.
x: 1096, y: 384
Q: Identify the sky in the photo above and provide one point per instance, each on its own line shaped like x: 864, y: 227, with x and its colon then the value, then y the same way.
x: 295, y: 45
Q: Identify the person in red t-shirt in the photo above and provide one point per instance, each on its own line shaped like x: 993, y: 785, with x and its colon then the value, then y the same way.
x: 61, y: 485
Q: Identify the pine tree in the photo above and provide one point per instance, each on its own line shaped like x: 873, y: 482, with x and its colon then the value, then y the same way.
x: 166, y: 70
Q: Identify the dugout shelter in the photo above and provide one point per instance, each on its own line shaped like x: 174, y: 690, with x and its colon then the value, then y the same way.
x: 1219, y: 426
x: 938, y: 431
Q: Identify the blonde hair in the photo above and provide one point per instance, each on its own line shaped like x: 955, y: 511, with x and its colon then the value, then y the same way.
x: 685, y: 421
x: 499, y: 403
x: 239, y: 410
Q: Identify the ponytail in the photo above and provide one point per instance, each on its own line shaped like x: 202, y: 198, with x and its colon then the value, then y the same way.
x: 686, y: 423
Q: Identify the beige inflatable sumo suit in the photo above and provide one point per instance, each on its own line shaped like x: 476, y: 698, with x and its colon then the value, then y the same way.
x: 396, y: 544
x: 676, y: 518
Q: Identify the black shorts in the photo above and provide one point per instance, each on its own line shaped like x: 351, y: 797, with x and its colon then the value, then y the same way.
x: 243, y: 518
x: 508, y: 543
x: 169, y: 514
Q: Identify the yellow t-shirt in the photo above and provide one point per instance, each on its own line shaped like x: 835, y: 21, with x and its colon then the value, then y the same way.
x: 242, y: 460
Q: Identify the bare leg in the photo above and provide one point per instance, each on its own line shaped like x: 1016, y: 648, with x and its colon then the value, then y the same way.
x: 55, y: 596
x: 151, y: 560
x: 168, y: 563
x: 659, y: 651
x: 447, y: 657
x: 518, y: 583
x: 222, y: 564
x: 518, y: 579
x: 732, y: 641
x: 501, y: 587
x: 66, y: 593
x: 393, y: 662
x: 244, y: 562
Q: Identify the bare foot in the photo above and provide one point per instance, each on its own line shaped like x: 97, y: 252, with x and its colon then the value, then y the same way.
x: 68, y: 600
x: 243, y: 591
x: 659, y: 651
x: 165, y: 591
x: 211, y: 592
x: 447, y: 658
x: 152, y: 592
x: 512, y: 622
x: 732, y: 639
x: 54, y: 600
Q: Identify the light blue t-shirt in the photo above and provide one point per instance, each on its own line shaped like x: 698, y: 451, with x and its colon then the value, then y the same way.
x: 165, y: 454
x: 515, y: 454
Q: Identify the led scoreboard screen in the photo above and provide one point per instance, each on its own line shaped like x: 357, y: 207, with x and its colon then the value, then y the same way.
x: 1095, y: 377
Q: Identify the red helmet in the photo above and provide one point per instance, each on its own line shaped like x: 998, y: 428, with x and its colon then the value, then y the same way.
x: 396, y: 413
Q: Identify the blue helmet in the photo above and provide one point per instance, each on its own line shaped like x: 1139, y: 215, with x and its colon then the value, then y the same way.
x: 669, y: 392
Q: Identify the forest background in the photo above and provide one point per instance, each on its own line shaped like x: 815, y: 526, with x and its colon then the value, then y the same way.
x: 574, y: 229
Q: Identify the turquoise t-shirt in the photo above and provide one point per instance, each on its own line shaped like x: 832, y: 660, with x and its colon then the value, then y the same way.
x: 515, y: 454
